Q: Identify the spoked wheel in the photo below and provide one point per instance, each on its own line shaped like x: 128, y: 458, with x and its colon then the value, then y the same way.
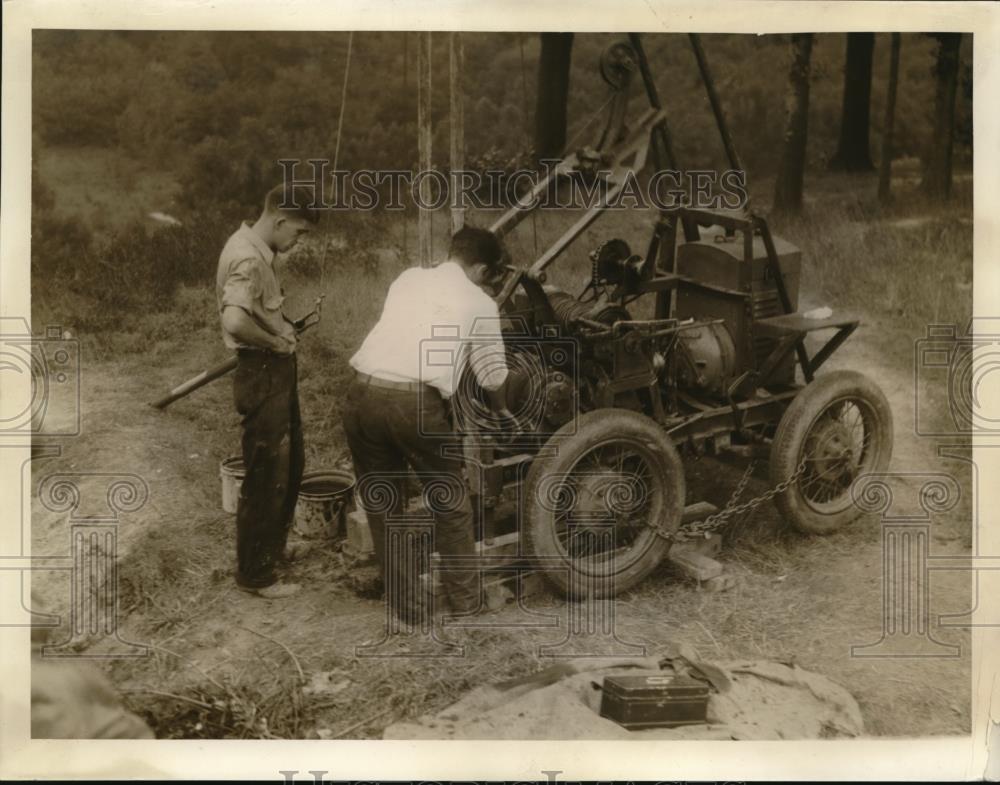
x: 838, y: 428
x: 594, y: 497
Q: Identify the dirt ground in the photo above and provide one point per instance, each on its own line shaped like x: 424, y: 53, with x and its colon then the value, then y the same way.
x: 221, y: 663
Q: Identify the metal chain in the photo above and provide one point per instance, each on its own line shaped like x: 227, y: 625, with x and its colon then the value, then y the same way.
x: 702, y: 529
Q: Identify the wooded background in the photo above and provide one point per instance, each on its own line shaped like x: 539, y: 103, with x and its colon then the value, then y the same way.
x: 193, y: 123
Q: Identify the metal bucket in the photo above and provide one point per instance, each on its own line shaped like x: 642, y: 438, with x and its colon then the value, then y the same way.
x: 232, y: 472
x: 321, y: 509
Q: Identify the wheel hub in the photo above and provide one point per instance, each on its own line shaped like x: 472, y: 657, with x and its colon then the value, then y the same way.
x: 830, y: 451
x: 602, y: 502
x: 592, y: 497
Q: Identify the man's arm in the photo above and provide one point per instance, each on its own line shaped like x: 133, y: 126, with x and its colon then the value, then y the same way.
x: 497, y: 397
x: 487, y: 354
x: 244, y: 329
x: 490, y: 366
x: 489, y: 363
x: 488, y: 359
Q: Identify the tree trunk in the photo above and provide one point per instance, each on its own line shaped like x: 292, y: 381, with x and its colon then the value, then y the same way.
x: 788, y: 189
x: 885, y: 164
x: 937, y: 161
x: 852, y: 150
x: 553, y: 90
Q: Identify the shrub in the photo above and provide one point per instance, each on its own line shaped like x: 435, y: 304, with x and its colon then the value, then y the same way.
x: 61, y: 247
x: 123, y: 275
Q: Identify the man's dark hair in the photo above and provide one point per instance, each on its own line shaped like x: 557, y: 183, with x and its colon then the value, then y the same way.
x: 473, y: 245
x: 292, y: 201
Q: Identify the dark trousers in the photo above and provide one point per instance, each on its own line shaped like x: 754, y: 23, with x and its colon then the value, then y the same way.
x: 265, y: 391
x: 388, y: 430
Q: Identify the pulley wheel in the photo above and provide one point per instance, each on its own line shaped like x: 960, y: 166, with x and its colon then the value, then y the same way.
x: 618, y: 63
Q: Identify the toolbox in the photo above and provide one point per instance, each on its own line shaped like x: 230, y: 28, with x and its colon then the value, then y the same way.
x: 654, y: 700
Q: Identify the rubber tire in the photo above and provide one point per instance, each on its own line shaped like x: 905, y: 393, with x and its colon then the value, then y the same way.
x: 790, y: 438
x: 573, y: 440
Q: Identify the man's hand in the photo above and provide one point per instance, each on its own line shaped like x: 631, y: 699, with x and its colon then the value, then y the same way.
x: 283, y: 344
x: 238, y: 324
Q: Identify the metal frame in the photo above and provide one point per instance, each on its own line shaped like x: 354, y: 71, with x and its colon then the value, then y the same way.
x: 650, y: 135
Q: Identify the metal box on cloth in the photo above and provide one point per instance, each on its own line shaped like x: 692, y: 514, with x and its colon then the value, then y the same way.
x: 654, y: 700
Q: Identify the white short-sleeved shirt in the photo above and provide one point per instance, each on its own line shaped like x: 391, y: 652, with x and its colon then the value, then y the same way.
x: 434, y: 322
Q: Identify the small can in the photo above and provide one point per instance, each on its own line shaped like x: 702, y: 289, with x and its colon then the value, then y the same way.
x: 654, y: 700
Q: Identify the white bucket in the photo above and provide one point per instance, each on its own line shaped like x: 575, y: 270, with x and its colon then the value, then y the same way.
x: 232, y: 472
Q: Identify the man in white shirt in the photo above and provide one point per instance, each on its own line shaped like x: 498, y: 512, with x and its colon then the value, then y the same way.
x: 436, y: 324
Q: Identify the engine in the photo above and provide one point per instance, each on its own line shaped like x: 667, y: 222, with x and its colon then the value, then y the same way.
x: 564, y: 357
x: 552, y: 373
x: 705, y: 354
x: 706, y: 359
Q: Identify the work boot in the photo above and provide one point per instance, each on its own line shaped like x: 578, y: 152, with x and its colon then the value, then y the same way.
x: 275, y: 591
x: 464, y: 607
x: 296, y: 551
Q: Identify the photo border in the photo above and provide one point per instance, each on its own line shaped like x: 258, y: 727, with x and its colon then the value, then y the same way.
x: 923, y: 759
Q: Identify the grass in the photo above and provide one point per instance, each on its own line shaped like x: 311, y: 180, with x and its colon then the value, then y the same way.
x: 909, y: 263
x: 223, y: 666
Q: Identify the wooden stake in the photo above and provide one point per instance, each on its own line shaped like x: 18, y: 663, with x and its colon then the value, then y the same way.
x: 424, y: 134
x: 457, y: 110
